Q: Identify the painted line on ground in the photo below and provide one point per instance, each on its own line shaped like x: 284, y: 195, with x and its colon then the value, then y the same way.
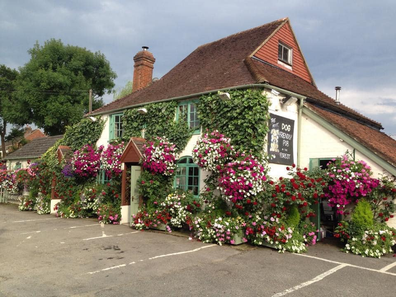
x: 34, y: 232
x: 25, y: 221
x: 181, y: 253
x: 106, y: 269
x: 310, y: 282
x: 75, y: 227
x: 109, y: 236
x: 56, y: 229
x: 387, y: 267
x: 153, y: 258
x: 383, y: 270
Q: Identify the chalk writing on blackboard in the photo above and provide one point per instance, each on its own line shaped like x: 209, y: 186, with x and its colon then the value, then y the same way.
x: 280, y: 140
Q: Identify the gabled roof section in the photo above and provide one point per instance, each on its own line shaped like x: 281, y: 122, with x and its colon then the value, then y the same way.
x: 267, y: 73
x: 212, y: 66
x: 34, y: 149
x: 268, y: 52
x: 377, y: 142
x: 133, y: 151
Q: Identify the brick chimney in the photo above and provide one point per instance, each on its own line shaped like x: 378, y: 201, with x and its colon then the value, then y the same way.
x: 143, y: 69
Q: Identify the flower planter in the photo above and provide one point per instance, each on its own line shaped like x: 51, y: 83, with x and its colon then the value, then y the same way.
x: 161, y: 227
x: 237, y: 239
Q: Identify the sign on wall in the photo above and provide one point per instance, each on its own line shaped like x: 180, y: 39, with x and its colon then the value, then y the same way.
x: 280, y: 140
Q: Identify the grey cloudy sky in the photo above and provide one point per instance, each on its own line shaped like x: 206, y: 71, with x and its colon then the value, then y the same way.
x: 346, y: 43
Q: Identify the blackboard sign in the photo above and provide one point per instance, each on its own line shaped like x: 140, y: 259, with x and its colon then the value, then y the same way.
x: 280, y: 140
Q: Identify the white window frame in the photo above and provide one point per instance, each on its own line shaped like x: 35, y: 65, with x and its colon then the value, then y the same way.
x: 281, y: 58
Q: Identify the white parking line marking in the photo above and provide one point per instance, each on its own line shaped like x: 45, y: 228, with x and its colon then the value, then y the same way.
x: 310, y: 282
x: 181, y: 253
x: 106, y: 269
x: 387, y: 267
x: 153, y: 258
x: 109, y: 236
x: 383, y: 270
x: 36, y: 232
x: 25, y: 221
x: 75, y: 227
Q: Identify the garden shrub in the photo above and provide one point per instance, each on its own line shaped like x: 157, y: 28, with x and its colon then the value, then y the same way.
x: 362, y: 216
x: 293, y: 218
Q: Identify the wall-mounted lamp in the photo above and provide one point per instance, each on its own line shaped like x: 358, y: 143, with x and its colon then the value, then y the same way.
x: 289, y: 101
x: 224, y: 96
x: 274, y: 92
x: 142, y: 110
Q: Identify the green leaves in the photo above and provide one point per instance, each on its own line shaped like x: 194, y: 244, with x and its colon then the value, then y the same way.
x: 244, y: 118
x: 54, y: 85
x: 158, y: 121
x: 86, y: 131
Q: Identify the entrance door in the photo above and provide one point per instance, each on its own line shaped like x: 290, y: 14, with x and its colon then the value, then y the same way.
x: 135, y: 174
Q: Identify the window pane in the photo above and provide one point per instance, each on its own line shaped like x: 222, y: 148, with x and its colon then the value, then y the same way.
x: 280, y: 52
x: 286, y: 54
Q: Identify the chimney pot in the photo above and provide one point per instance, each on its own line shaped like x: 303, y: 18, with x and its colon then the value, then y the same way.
x: 338, y: 89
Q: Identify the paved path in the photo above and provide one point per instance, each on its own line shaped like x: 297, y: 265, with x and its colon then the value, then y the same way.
x: 48, y: 256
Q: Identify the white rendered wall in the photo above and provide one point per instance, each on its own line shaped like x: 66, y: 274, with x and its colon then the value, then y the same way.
x: 104, y: 137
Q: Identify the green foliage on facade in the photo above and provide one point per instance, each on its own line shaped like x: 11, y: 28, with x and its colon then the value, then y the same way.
x: 87, y: 131
x: 244, y: 118
x: 158, y: 121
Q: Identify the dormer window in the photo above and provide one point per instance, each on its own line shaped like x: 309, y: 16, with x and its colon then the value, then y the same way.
x: 284, y: 53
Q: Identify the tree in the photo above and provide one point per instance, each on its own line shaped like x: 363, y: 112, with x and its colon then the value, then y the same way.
x: 8, y: 78
x: 53, y: 89
x: 125, y: 91
x: 16, y: 137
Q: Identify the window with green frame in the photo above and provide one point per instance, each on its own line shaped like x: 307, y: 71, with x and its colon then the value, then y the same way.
x: 321, y: 163
x: 187, y: 110
x: 187, y: 176
x: 102, y: 178
x: 116, y: 126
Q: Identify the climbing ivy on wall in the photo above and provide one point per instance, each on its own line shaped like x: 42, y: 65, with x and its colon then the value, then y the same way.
x: 158, y: 121
x: 86, y: 131
x: 244, y: 118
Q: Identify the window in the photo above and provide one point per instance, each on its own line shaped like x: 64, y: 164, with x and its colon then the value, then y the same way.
x: 115, y: 126
x: 321, y: 163
x: 187, y: 176
x: 284, y: 53
x: 18, y: 165
x: 102, y: 178
x: 188, y: 112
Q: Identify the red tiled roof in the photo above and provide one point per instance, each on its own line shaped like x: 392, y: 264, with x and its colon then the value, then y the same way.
x: 211, y: 66
x: 379, y: 143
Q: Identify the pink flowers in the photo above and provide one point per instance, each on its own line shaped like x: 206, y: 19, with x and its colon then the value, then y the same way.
x: 350, y: 180
x: 242, y: 178
x: 212, y: 150
x: 86, y: 161
x: 160, y: 156
x: 110, y: 159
